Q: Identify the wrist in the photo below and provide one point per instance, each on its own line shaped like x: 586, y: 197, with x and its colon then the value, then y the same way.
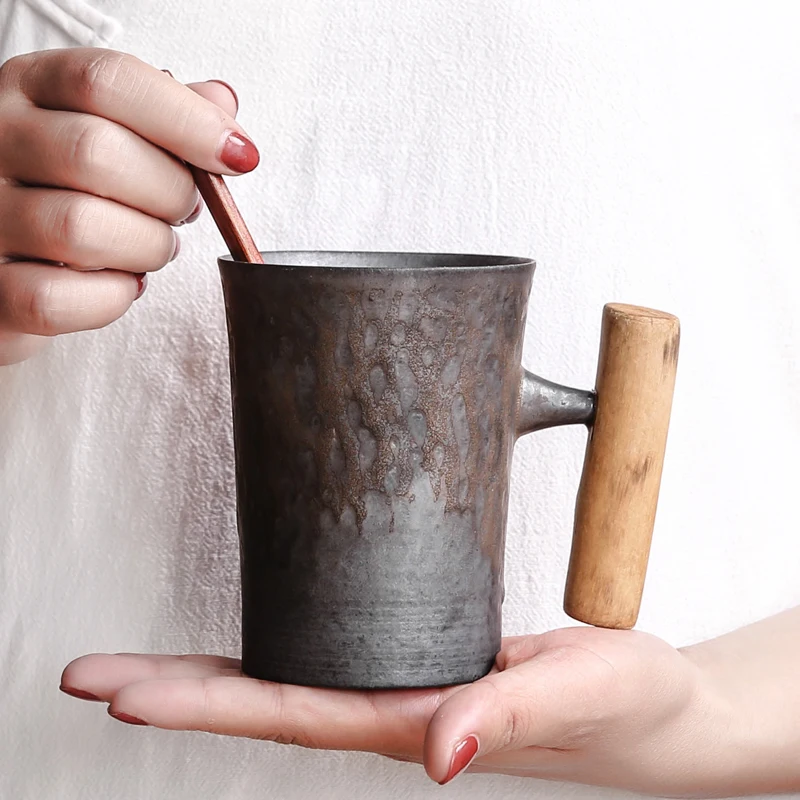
x: 740, y: 746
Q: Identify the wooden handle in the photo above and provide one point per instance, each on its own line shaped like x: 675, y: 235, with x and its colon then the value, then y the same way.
x: 226, y: 215
x: 616, y: 506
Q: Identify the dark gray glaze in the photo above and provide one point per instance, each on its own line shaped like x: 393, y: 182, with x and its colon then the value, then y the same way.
x: 376, y: 401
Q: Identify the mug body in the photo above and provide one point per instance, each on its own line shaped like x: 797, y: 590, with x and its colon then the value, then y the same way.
x: 374, y: 405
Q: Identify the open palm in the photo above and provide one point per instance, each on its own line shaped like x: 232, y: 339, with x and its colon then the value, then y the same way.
x: 580, y: 704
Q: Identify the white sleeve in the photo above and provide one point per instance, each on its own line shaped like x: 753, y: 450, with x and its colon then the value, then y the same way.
x: 28, y: 25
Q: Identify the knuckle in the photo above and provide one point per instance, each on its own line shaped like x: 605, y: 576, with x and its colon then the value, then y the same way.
x: 515, y: 729
x: 73, y: 222
x: 11, y: 69
x: 98, y: 75
x: 94, y: 146
x: 37, y: 309
x: 514, y: 725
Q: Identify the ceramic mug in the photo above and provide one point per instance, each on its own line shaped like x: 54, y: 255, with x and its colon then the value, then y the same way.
x: 376, y: 401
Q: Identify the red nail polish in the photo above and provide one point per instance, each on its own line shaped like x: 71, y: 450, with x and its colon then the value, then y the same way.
x: 141, y: 282
x: 129, y: 718
x: 80, y: 694
x: 229, y: 88
x: 238, y: 153
x: 463, y: 754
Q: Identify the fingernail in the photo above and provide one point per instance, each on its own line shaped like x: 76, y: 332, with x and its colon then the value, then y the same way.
x: 129, y: 718
x: 238, y: 153
x: 177, y: 248
x: 463, y: 755
x: 229, y: 88
x: 196, y: 211
x: 141, y: 282
x: 168, y: 73
x: 80, y: 694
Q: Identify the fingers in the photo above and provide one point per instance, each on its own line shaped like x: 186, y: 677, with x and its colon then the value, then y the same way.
x: 83, y: 231
x: 123, y: 89
x: 92, y: 145
x: 89, y: 154
x: 103, y: 675
x: 45, y: 300
x: 186, y: 694
x: 542, y: 701
x: 237, y: 706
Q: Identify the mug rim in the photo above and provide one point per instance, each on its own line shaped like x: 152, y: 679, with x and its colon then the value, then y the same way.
x: 314, y: 260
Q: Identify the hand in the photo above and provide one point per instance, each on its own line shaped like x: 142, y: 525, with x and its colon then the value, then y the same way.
x: 89, y: 188
x: 612, y: 708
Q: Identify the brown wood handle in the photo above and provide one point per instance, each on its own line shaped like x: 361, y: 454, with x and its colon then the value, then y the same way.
x: 616, y: 506
x: 226, y: 215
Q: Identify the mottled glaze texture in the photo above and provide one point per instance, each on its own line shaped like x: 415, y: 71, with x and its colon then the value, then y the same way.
x: 375, y: 404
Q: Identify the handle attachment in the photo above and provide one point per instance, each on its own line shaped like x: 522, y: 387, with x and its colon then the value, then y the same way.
x: 544, y: 404
x: 628, y: 418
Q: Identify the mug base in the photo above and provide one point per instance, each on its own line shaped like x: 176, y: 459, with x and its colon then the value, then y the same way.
x: 388, y: 679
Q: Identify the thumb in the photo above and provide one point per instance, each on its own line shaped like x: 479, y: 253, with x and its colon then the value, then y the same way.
x: 537, y: 702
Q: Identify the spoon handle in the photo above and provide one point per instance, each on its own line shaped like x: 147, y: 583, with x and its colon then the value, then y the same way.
x: 224, y: 212
x: 226, y: 215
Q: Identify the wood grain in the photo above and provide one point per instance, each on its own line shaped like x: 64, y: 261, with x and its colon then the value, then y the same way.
x: 616, y: 505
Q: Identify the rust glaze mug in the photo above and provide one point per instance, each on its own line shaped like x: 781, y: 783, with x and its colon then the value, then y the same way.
x: 376, y: 401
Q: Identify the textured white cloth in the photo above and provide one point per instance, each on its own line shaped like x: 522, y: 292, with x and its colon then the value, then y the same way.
x: 641, y: 152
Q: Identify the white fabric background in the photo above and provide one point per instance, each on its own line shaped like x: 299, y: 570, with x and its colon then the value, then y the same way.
x: 642, y: 152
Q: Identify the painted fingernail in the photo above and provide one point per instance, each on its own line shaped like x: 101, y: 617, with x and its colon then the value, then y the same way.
x: 196, y: 211
x: 80, y: 694
x: 177, y: 249
x: 129, y: 718
x: 238, y: 153
x: 229, y: 88
x: 463, y: 755
x: 141, y: 282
